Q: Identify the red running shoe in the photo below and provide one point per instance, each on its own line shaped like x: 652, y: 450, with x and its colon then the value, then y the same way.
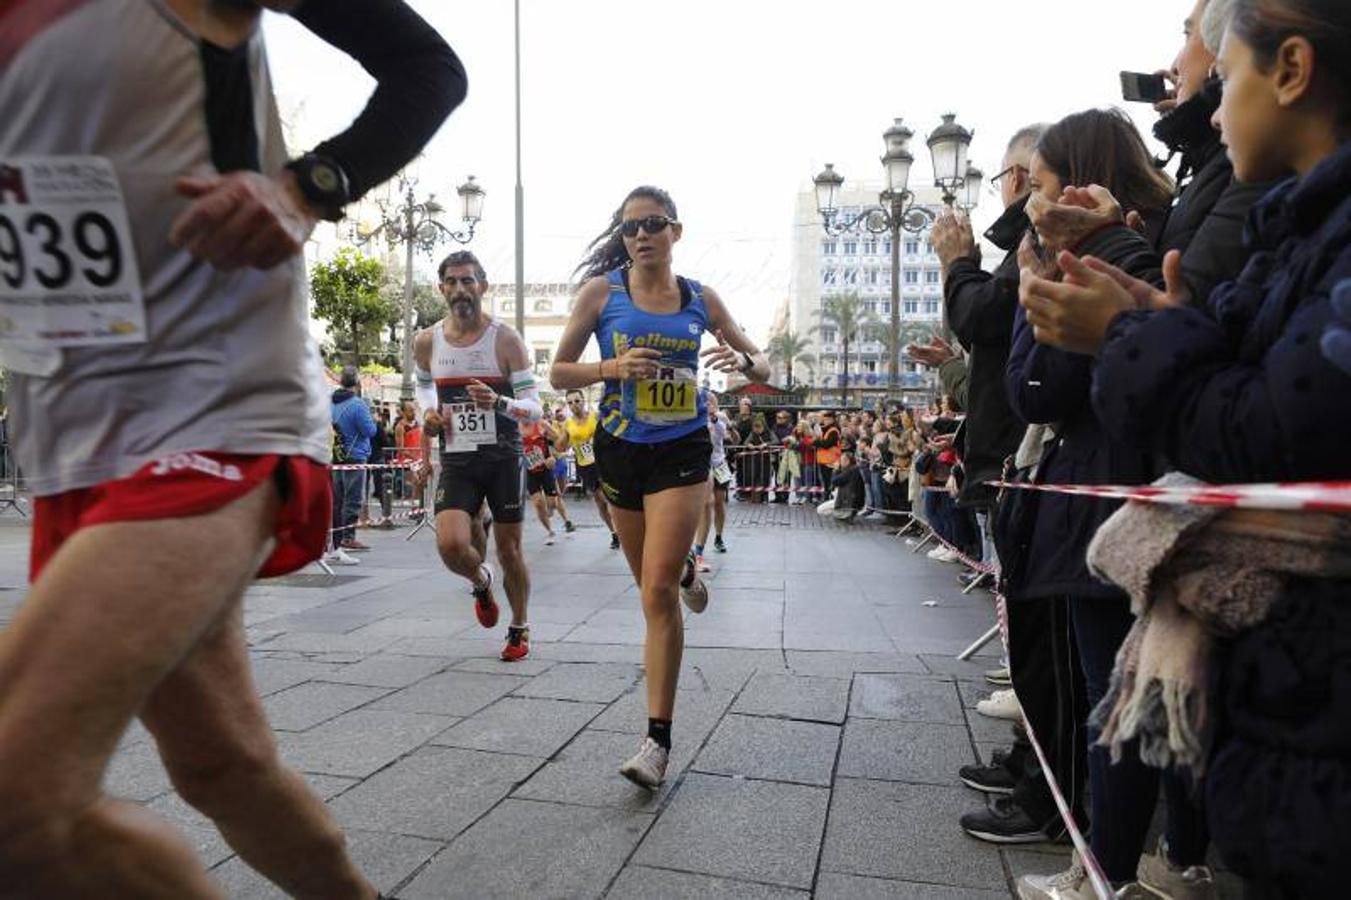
x: 485, y: 607
x: 518, y: 644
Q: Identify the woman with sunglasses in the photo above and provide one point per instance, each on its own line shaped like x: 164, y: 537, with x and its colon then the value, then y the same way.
x: 653, y: 446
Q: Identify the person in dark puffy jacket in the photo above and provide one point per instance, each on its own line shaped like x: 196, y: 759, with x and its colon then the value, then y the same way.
x: 1238, y: 391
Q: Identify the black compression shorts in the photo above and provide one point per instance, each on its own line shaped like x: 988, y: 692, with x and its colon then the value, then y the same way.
x: 543, y: 480
x: 629, y: 470
x: 465, y: 484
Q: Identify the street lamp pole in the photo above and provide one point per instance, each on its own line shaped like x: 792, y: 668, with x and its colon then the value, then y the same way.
x: 520, y: 192
x: 898, y: 210
x: 414, y: 224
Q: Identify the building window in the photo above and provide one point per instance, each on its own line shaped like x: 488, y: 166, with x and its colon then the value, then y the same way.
x: 541, y: 356
x: 829, y: 248
x: 870, y: 247
x: 886, y: 247
x: 931, y: 276
x: 911, y: 276
x: 543, y: 306
x: 873, y: 276
x: 850, y: 248
x: 910, y: 307
x: 828, y: 276
x: 827, y: 335
x: 871, y: 306
x: 851, y: 276
x: 931, y: 307
x: 912, y: 247
x: 886, y: 307
x: 928, y: 246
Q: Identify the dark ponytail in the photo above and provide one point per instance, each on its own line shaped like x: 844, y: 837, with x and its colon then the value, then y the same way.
x: 1326, y: 24
x: 607, y: 251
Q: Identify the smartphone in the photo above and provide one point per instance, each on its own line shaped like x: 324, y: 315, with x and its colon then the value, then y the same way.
x: 1137, y: 87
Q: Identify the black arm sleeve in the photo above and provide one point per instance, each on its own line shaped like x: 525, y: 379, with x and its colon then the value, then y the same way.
x: 419, y: 81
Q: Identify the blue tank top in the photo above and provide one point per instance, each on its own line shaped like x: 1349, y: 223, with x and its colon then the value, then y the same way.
x: 671, y: 405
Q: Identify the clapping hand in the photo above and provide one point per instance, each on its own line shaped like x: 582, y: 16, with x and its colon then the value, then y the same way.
x: 952, y: 237
x: 1074, y: 314
x: 932, y: 354
x: 1079, y: 212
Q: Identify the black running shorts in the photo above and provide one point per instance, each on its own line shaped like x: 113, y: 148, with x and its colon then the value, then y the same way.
x: 465, y: 484
x: 543, y: 480
x: 590, y: 477
x: 629, y: 471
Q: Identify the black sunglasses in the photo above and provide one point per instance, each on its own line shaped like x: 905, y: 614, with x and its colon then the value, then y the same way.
x: 650, y: 224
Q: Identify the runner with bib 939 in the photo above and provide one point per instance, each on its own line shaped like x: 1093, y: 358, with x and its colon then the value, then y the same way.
x: 652, y: 446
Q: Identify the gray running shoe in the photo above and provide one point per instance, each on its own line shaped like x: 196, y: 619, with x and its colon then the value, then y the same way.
x: 693, y: 591
x: 647, y: 767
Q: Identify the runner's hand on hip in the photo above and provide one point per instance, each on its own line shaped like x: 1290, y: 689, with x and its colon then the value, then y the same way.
x: 636, y: 363
x: 242, y: 220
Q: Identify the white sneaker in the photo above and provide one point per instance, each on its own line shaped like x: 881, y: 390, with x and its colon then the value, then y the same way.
x: 1158, y: 875
x: 549, y: 541
x: 1071, y: 884
x: 695, y: 594
x: 1001, y: 705
x: 942, y: 554
x: 341, y: 557
x: 647, y: 767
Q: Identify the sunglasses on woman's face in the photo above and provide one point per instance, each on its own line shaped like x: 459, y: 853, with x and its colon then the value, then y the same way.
x: 650, y: 224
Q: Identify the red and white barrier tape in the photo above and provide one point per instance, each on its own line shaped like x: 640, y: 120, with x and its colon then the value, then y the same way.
x: 417, y: 514
x: 1313, y: 496
x: 362, y: 467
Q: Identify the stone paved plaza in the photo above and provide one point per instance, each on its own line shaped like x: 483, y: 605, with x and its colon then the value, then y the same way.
x: 821, y: 718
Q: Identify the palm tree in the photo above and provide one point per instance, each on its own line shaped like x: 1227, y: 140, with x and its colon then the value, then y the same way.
x: 847, y: 316
x: 788, y: 347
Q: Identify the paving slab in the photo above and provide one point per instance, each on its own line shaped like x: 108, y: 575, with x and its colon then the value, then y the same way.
x: 359, y: 743
x: 435, y: 792
x: 885, y: 750
x: 554, y: 851
x: 846, y: 665
x: 273, y: 675
x: 646, y: 883
x: 755, y: 830
x: 795, y: 697
x: 136, y: 773
x: 595, y: 682
x: 833, y: 886
x: 521, y: 725
x: 451, y: 693
x: 386, y: 859
x: 200, y: 831
x: 908, y: 698
x: 307, y: 705
x: 771, y: 749
x: 388, y: 670
x: 906, y: 832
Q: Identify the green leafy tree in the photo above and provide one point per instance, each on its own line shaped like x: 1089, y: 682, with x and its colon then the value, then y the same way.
x: 790, y: 348
x: 347, y: 295
x: 851, y: 321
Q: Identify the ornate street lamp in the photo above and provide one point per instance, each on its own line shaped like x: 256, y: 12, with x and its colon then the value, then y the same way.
x: 414, y: 224
x: 897, y: 210
x: 948, y: 144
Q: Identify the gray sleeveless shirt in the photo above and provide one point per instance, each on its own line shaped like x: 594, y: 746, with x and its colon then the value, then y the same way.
x: 228, y: 364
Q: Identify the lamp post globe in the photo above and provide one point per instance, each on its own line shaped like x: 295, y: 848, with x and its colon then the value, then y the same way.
x: 948, y: 145
x: 828, y: 184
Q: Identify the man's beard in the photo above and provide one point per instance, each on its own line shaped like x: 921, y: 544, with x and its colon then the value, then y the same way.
x: 462, y: 307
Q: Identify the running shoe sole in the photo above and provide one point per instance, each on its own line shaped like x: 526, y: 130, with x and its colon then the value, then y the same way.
x: 984, y: 788
x: 1038, y: 837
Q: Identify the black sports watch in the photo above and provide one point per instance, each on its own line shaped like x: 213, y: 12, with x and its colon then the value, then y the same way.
x: 747, y: 361
x: 323, y: 183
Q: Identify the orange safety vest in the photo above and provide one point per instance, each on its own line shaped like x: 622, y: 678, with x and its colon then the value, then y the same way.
x: 829, y: 456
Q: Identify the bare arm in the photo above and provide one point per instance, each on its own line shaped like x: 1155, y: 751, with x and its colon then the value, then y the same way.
x: 567, y: 373
x: 732, y: 342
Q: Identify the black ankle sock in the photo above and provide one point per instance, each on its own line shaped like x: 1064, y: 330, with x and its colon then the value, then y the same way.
x: 660, y: 731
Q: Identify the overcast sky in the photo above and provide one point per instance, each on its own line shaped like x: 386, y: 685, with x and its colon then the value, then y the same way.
x: 731, y: 105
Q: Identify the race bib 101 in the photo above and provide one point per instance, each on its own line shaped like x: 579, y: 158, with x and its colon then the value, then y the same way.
x: 68, y: 274
x: 467, y: 427
x: 669, y: 397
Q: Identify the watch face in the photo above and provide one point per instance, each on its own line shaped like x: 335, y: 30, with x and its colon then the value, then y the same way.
x: 325, y: 178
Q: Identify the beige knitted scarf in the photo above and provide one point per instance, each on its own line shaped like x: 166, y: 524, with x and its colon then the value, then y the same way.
x: 1195, y: 574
